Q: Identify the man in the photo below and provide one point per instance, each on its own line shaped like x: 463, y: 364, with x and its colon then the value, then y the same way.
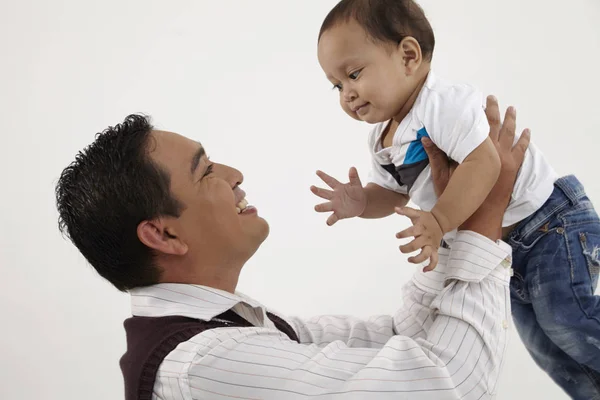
x: 157, y: 218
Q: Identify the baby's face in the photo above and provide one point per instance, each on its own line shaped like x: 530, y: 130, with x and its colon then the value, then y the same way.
x: 371, y: 77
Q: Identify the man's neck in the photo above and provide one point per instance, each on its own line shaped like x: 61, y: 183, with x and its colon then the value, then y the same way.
x: 227, y: 284
x: 222, y: 276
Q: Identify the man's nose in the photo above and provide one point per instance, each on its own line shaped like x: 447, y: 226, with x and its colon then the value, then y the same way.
x: 234, y: 176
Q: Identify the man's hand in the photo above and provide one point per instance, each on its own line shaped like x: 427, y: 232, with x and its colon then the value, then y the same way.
x: 511, y: 157
x: 427, y: 236
x: 346, y: 200
x: 441, y: 166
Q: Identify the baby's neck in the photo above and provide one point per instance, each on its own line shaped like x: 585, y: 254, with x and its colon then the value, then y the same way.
x: 413, y: 96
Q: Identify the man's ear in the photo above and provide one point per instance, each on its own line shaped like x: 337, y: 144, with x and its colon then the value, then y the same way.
x: 162, y: 237
x: 410, y: 54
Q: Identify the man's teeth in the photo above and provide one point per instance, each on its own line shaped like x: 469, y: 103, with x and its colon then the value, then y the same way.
x: 241, y: 206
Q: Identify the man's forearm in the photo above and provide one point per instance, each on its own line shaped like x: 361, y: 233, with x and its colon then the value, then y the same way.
x: 381, y: 202
x: 487, y: 220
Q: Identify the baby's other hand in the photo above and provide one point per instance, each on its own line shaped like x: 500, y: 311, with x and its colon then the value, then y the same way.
x: 427, y: 235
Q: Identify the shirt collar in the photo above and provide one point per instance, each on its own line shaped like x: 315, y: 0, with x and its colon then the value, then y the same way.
x: 430, y: 80
x: 193, y: 301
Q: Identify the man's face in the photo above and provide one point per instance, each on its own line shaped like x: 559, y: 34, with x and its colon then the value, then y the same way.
x: 215, y: 223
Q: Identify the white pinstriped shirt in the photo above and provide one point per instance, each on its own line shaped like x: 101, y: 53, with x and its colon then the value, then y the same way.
x: 446, y: 341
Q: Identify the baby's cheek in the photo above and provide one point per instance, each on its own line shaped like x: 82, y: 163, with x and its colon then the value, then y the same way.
x: 348, y: 111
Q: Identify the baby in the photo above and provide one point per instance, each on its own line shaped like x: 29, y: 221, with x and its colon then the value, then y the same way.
x: 377, y: 54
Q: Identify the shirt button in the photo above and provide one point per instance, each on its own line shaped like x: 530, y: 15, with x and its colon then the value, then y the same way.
x: 507, y: 262
x: 504, y: 324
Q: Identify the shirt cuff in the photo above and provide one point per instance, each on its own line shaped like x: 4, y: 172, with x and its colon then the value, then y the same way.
x: 474, y: 257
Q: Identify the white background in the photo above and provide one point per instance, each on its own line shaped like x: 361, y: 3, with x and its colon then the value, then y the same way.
x: 243, y: 78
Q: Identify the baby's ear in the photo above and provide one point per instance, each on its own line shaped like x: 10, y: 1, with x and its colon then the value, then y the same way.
x: 411, y: 54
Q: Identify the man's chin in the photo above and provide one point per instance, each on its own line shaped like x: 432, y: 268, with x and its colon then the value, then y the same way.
x: 260, y: 231
x: 265, y: 229
x: 258, y: 235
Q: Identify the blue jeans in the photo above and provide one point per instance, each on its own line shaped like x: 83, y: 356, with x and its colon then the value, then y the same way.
x: 556, y: 260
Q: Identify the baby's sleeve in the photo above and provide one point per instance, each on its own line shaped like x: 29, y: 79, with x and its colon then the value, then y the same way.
x: 455, y: 120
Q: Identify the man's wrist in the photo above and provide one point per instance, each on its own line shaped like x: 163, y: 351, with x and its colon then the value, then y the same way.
x: 366, y: 205
x: 364, y: 209
x: 501, y: 192
x: 486, y: 221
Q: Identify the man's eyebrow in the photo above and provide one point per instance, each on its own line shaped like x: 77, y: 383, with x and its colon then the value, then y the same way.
x: 196, y: 159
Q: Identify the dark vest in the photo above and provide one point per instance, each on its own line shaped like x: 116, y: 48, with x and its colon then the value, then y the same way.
x: 150, y: 340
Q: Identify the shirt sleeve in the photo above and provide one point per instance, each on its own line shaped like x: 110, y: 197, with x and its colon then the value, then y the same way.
x: 415, y: 317
x: 457, y: 356
x: 411, y: 320
x: 455, y: 120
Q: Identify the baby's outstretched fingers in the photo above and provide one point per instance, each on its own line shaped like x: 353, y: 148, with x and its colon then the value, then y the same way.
x: 414, y: 230
x: 433, y: 260
x: 322, y: 193
x: 422, y: 256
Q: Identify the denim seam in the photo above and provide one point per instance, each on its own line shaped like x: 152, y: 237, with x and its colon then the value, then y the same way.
x: 579, y: 208
x: 548, y: 215
x: 572, y: 195
x: 579, y: 223
x: 587, y: 372
x: 526, y: 248
x: 520, y: 291
x: 572, y: 270
x: 593, y: 270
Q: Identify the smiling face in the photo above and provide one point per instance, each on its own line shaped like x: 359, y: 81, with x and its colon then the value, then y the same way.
x: 216, y: 226
x: 375, y: 79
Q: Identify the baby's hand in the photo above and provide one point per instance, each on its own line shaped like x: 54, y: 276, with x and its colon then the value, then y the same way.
x: 345, y: 200
x: 427, y: 233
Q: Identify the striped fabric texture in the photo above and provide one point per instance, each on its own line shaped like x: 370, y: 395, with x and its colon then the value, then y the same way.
x: 446, y: 341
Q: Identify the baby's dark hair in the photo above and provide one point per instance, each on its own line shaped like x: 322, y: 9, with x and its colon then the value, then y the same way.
x: 385, y: 21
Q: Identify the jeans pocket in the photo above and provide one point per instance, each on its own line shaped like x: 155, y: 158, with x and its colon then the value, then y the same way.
x: 590, y: 243
x: 525, y: 243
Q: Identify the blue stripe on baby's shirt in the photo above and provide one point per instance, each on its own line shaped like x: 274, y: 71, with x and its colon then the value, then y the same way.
x: 416, y: 152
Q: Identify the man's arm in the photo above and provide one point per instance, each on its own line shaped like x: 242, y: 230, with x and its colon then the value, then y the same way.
x: 459, y: 357
x: 413, y: 320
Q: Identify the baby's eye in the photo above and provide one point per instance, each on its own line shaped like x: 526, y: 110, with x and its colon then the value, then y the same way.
x: 338, y: 87
x: 208, y: 171
x: 354, y: 75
